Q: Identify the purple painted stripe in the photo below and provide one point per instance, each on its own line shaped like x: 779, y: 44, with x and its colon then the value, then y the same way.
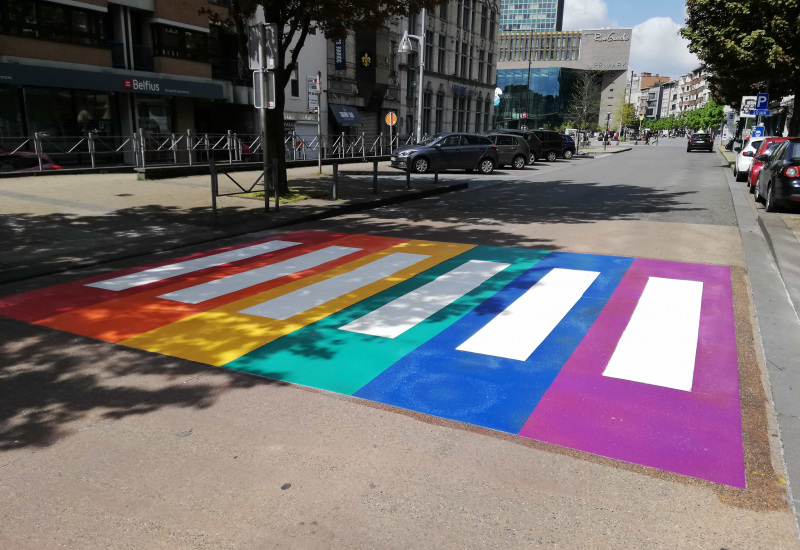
x: 697, y: 433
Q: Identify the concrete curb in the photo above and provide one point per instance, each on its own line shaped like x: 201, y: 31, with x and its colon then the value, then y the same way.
x: 778, y: 326
x: 27, y: 273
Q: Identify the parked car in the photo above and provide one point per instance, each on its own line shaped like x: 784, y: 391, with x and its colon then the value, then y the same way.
x: 778, y: 182
x: 533, y: 142
x: 448, y: 152
x: 23, y: 161
x: 552, y: 144
x: 700, y: 142
x: 511, y: 149
x: 767, y: 146
x: 744, y: 157
x: 567, y: 146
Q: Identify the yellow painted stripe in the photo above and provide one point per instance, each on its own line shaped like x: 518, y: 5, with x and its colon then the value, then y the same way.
x: 219, y: 336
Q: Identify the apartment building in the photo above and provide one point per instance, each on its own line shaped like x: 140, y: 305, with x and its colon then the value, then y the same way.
x: 368, y: 78
x: 69, y: 67
x: 695, y: 91
x: 639, y: 89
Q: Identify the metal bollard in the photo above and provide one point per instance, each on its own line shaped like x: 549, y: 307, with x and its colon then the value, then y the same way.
x: 335, y: 190
x: 374, y: 176
x: 37, y: 146
x: 189, y: 148
x: 142, y: 147
x: 91, y: 147
x: 230, y: 147
x: 277, y: 187
x: 174, y: 147
x: 208, y: 152
x: 212, y: 167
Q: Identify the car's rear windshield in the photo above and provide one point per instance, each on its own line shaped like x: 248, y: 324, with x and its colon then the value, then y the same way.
x: 702, y: 136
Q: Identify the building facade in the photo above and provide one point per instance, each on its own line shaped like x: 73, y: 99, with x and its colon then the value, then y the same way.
x: 536, y: 73
x: 368, y: 79
x: 531, y: 15
x: 68, y: 68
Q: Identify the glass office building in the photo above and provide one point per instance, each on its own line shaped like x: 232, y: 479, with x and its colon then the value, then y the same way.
x: 531, y: 15
x: 538, y: 101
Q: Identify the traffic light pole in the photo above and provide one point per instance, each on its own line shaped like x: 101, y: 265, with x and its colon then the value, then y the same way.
x: 262, y: 112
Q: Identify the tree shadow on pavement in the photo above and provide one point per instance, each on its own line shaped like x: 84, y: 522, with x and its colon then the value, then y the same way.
x: 55, y: 384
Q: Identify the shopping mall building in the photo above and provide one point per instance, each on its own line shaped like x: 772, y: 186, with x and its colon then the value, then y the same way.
x: 536, y: 73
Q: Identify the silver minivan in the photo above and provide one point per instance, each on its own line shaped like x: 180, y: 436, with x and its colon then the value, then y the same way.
x: 511, y: 149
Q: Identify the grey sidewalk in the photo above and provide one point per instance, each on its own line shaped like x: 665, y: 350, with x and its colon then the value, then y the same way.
x: 52, y: 224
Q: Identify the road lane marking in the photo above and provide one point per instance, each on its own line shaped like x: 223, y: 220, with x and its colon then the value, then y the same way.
x: 518, y: 330
x: 659, y: 344
x: 299, y: 301
x: 227, y: 285
x: 174, y: 270
x: 404, y: 313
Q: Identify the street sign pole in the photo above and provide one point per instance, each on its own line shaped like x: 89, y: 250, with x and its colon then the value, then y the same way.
x: 262, y: 112
x: 319, y: 121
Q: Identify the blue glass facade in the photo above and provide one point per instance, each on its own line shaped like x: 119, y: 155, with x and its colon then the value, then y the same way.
x: 543, y: 102
x: 527, y: 15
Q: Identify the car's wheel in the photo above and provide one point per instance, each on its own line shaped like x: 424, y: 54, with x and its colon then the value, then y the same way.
x: 757, y: 194
x: 741, y: 176
x: 688, y: 150
x: 750, y: 186
x: 551, y: 156
x: 567, y: 155
x: 532, y: 160
x: 518, y: 163
x: 421, y: 165
x: 769, y: 203
x: 486, y: 166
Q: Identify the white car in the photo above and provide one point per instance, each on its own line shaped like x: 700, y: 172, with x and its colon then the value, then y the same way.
x: 744, y: 157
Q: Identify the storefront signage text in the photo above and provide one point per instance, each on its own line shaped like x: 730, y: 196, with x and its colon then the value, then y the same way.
x: 618, y: 65
x: 610, y: 37
x: 140, y: 85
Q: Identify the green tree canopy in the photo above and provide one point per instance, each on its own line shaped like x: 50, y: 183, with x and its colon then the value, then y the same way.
x: 748, y: 46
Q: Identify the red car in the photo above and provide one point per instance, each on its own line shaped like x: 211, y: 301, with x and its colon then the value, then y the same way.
x: 766, y: 148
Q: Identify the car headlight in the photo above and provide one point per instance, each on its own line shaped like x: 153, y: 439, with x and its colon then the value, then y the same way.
x: 406, y: 152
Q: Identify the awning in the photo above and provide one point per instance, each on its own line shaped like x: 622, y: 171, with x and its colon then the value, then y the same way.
x: 345, y: 115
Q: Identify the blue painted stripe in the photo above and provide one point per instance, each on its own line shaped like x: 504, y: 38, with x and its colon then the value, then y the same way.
x: 495, y: 392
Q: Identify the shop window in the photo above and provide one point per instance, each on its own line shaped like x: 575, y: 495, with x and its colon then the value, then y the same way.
x: 154, y: 115
x: 49, y: 21
x: 70, y: 113
x: 10, y: 113
x: 439, y: 113
x: 180, y: 43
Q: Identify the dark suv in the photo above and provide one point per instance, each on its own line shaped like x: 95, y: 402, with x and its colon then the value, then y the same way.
x: 511, y: 149
x: 552, y: 144
x: 447, y: 152
x: 532, y: 141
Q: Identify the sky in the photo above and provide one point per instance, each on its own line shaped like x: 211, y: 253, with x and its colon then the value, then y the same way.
x: 656, y: 46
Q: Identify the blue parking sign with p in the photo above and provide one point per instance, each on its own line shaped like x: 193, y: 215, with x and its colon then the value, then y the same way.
x: 762, y: 101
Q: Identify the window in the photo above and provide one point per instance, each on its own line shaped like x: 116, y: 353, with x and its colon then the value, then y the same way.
x: 484, y: 12
x: 429, y: 45
x: 464, y: 51
x: 439, y: 113
x: 180, y: 43
x: 410, y: 75
x: 442, y: 49
x: 489, y: 61
x: 486, y: 114
x: 462, y: 113
x: 426, y: 113
x: 294, y: 83
x: 465, y: 19
x: 49, y: 21
x: 467, y: 112
x: 481, y: 56
x: 478, y: 105
x: 443, y: 11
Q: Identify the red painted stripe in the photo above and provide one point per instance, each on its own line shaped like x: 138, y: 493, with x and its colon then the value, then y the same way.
x: 46, y: 302
x: 126, y: 317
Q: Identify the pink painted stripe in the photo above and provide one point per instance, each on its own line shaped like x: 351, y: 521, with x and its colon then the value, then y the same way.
x: 697, y: 433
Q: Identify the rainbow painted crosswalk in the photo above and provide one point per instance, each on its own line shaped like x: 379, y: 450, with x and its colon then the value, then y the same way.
x: 630, y: 359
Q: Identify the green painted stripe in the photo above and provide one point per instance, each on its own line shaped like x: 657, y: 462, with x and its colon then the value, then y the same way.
x: 321, y: 356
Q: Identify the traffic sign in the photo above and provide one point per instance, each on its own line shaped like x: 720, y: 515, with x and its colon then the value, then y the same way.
x: 391, y: 119
x: 758, y: 131
x: 258, y: 94
x: 760, y: 112
x: 524, y: 115
x: 762, y: 101
x: 748, y: 102
x: 270, y: 43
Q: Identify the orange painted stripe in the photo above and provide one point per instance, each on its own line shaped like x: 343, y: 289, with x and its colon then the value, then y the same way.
x: 43, y: 303
x: 117, y: 320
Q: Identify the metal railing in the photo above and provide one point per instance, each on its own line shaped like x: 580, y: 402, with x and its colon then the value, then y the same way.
x: 188, y: 148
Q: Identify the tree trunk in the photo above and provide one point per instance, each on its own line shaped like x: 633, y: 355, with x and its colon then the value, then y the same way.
x: 276, y: 151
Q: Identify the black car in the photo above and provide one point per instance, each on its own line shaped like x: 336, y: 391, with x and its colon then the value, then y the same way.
x: 700, y: 142
x: 567, y: 146
x: 448, y: 152
x: 552, y: 144
x: 779, y: 179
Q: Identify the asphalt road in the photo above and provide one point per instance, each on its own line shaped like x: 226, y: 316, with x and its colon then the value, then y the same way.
x: 104, y: 446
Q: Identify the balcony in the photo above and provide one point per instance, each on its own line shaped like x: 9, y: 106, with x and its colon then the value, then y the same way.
x: 142, y: 56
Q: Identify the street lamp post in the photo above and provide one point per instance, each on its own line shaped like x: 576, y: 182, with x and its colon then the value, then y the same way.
x: 605, y: 139
x: 405, y: 48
